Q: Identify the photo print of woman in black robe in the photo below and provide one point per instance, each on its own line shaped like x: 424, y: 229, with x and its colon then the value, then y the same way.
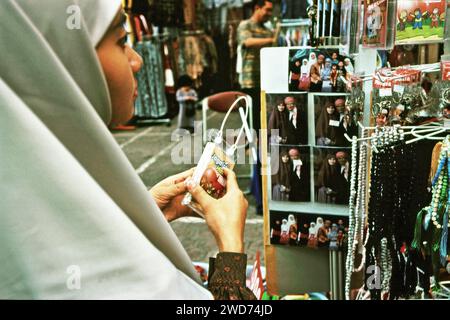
x: 278, y: 121
x: 343, y: 185
x: 288, y: 114
x: 281, y: 180
x: 327, y: 125
x: 346, y: 126
x: 328, y: 180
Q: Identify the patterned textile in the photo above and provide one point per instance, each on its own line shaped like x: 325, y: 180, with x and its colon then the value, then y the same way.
x: 251, y: 56
x: 227, y: 277
x: 151, y: 101
x: 197, y: 54
x: 167, y: 13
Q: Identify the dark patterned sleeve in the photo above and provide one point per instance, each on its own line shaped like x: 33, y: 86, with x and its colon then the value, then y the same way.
x: 227, y: 277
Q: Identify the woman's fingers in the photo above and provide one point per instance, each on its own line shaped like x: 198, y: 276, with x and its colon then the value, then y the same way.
x: 199, y: 194
x: 180, y: 188
x: 232, y: 183
x: 183, y: 175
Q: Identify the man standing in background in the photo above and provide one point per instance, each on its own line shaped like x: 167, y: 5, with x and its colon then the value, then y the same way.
x: 253, y: 35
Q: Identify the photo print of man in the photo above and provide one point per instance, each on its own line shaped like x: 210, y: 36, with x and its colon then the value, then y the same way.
x: 299, y: 176
x: 316, y: 70
x: 288, y: 115
x: 332, y: 175
x: 333, y: 121
x: 290, y: 178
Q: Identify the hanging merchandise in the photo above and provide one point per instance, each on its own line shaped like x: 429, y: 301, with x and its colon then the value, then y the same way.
x: 197, y: 56
x: 294, y: 33
x: 335, y: 22
x: 350, y: 19
x: 379, y: 24
x: 420, y: 22
x: 355, y: 101
x: 294, y: 9
x: 431, y: 230
x: 326, y: 16
x: 382, y: 208
x: 320, y: 15
x: 388, y: 88
x: 151, y: 101
x: 435, y: 105
x: 445, y: 69
x: 313, y: 14
x: 215, y: 157
x: 167, y: 13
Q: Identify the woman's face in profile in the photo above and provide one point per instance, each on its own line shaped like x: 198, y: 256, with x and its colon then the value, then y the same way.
x: 119, y: 63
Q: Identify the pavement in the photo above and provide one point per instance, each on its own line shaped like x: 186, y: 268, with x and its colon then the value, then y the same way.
x: 149, y: 148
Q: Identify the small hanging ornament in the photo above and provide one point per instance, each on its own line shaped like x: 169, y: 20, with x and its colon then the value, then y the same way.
x: 312, y: 14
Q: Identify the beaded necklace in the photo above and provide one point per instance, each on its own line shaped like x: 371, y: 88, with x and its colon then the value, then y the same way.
x: 352, y: 222
x: 383, y: 208
x: 356, y: 212
x: 439, y: 211
x: 393, y: 174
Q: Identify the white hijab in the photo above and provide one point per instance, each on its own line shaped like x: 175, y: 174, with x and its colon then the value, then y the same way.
x: 312, y: 228
x: 305, y: 68
x: 349, y: 68
x: 291, y: 221
x: 319, y: 223
x: 71, y: 202
x: 312, y: 61
x: 284, y: 226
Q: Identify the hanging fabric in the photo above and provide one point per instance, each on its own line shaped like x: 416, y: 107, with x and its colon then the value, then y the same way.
x: 151, y: 101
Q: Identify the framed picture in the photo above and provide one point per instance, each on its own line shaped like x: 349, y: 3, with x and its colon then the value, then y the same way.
x: 308, y: 230
x: 420, y: 21
x: 287, y: 116
x: 332, y: 175
x: 290, y: 174
x: 333, y: 121
x: 375, y: 23
x: 316, y: 70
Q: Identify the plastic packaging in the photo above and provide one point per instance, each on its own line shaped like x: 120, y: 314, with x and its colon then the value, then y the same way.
x: 379, y: 24
x: 209, y: 171
x: 350, y: 19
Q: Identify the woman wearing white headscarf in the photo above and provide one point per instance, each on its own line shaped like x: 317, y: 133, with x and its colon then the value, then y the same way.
x: 76, y: 221
x: 312, y: 60
x: 349, y: 66
x: 319, y: 223
x: 284, y: 235
x: 292, y: 227
x: 305, y: 68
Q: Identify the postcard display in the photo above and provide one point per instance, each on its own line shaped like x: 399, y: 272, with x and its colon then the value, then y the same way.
x: 420, y: 21
x: 305, y: 164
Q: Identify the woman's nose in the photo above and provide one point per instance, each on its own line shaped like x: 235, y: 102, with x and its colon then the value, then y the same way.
x: 136, y: 61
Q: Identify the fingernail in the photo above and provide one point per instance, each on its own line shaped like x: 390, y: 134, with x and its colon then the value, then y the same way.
x: 190, y: 183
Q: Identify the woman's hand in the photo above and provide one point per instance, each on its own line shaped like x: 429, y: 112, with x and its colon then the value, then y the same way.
x: 168, y: 195
x: 225, y: 217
